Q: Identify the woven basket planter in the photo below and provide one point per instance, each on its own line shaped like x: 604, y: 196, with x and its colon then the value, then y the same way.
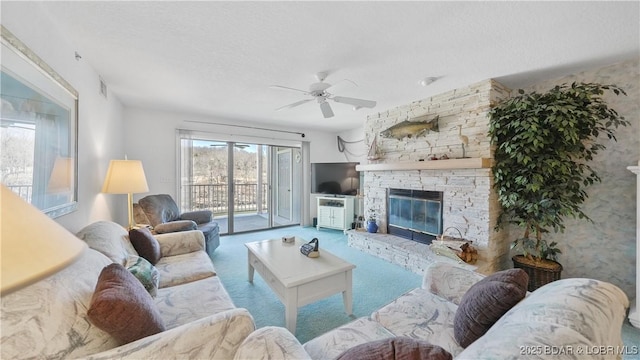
x: 539, y: 274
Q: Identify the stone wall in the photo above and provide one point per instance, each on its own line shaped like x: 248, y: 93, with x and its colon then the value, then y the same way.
x: 469, y: 205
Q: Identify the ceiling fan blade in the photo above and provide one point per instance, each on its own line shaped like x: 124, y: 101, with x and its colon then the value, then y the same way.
x: 326, y: 109
x: 354, y: 101
x: 294, y: 104
x: 341, y: 82
x: 288, y: 88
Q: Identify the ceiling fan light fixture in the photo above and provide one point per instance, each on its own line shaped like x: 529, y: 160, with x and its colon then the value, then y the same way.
x: 321, y: 76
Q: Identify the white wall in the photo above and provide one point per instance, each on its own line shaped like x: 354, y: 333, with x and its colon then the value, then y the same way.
x: 100, y: 128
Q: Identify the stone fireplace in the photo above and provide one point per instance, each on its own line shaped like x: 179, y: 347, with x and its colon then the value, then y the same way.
x: 468, y: 203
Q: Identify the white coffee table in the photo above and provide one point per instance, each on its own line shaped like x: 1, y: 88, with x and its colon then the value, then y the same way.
x: 298, y: 280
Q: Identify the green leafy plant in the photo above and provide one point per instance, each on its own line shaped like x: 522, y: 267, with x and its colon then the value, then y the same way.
x: 543, y: 145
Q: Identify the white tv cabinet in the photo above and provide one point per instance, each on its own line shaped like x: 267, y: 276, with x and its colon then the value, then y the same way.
x: 335, y: 212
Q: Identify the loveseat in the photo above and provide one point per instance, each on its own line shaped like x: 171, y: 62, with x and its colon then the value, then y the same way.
x: 566, y: 319
x: 50, y: 319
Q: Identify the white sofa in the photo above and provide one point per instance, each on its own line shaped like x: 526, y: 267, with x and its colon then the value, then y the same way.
x: 49, y: 319
x: 563, y: 320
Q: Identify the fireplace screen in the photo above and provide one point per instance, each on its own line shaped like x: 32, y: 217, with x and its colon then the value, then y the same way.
x: 414, y: 214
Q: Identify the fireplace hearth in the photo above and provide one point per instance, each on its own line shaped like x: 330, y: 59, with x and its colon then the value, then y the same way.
x: 414, y: 214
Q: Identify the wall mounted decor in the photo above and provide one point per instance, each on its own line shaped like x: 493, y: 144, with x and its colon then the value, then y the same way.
x: 39, y: 125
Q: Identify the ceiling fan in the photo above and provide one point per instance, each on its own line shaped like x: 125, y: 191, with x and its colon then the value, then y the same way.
x: 318, y: 92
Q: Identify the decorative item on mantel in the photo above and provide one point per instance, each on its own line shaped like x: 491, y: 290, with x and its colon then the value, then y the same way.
x: 455, y: 248
x: 372, y: 226
x: 374, y: 152
x: 464, y: 141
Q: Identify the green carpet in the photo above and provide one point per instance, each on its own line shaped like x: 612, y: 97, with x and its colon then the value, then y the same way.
x: 375, y: 282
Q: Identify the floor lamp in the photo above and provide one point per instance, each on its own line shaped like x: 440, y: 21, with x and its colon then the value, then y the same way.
x: 125, y: 177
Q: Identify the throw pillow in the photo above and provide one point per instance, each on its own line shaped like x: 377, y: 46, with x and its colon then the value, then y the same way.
x: 146, y: 273
x: 145, y: 244
x: 396, y: 348
x: 122, y: 307
x: 486, y: 301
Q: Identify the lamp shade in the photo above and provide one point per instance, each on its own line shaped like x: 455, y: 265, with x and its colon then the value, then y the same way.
x: 61, y: 177
x: 32, y: 245
x: 125, y: 177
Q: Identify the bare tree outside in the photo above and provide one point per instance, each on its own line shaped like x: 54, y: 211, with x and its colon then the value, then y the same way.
x: 16, y: 159
x: 209, y: 182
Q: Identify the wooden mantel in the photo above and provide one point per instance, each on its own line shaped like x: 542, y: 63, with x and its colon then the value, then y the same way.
x: 449, y: 164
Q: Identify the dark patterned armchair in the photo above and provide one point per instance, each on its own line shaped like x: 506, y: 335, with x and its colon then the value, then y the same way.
x: 162, y: 214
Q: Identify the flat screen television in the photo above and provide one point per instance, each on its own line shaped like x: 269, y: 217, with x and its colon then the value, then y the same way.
x: 335, y: 178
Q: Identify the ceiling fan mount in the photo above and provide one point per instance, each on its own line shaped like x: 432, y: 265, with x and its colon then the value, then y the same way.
x: 318, y: 91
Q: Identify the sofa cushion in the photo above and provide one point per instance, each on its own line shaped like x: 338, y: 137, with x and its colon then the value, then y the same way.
x: 486, y: 301
x: 145, y: 244
x: 337, y: 341
x: 177, y: 303
x: 184, y: 268
x: 399, y: 348
x: 271, y: 342
x: 146, y: 273
x: 421, y: 315
x: 109, y: 238
x: 122, y: 307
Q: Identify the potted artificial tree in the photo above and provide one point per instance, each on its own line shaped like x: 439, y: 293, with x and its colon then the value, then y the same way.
x: 543, y: 145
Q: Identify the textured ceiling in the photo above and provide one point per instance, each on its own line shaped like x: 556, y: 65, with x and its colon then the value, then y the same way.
x: 218, y: 58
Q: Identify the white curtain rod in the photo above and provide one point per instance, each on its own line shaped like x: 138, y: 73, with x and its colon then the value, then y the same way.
x: 246, y: 127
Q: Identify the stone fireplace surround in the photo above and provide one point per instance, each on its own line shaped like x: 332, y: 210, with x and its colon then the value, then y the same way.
x: 469, y: 202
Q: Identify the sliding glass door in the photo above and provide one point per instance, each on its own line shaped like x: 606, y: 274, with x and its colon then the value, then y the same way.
x: 240, y: 182
x: 249, y: 188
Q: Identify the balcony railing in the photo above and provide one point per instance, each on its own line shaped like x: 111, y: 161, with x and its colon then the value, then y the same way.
x: 24, y: 191
x: 214, y: 197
